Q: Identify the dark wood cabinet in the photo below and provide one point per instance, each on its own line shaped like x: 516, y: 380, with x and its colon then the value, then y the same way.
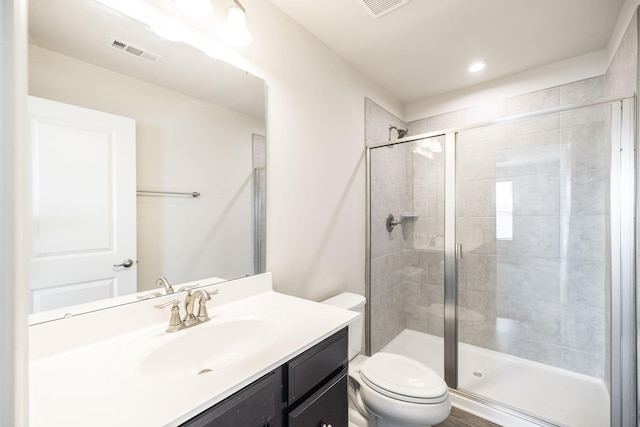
x: 308, y: 391
x: 324, y: 408
x: 257, y: 405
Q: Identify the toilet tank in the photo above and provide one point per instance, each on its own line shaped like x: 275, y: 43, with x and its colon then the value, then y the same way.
x: 353, y: 302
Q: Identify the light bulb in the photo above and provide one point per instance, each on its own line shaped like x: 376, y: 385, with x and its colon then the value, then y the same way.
x: 235, y: 31
x: 197, y: 8
x: 476, y: 66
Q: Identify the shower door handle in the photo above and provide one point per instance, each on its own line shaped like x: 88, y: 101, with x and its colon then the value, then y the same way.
x: 458, y: 251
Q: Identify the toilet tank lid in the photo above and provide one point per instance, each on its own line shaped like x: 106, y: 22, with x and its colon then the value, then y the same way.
x: 346, y: 300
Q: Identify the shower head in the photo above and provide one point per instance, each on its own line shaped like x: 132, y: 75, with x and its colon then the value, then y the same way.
x: 401, y: 132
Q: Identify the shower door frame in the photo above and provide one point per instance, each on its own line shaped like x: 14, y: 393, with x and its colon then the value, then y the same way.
x: 623, y: 203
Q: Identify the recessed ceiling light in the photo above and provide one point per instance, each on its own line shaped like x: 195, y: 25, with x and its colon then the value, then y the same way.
x: 476, y: 66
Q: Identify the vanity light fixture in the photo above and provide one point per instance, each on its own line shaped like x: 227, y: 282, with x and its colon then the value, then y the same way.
x: 235, y: 31
x: 476, y: 66
x: 197, y: 8
x: 149, y: 13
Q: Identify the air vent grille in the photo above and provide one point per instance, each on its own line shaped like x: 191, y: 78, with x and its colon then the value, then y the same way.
x: 381, y: 7
x: 137, y: 51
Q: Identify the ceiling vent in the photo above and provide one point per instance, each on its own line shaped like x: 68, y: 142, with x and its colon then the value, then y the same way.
x: 137, y: 51
x: 381, y: 7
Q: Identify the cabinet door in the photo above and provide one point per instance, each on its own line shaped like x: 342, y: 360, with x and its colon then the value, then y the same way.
x: 257, y: 405
x: 327, y: 407
x: 316, y: 365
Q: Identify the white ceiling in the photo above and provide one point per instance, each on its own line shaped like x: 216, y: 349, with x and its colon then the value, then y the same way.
x: 422, y: 49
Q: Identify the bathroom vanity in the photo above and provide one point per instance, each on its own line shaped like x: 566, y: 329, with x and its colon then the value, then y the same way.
x: 265, y: 358
x: 309, y: 390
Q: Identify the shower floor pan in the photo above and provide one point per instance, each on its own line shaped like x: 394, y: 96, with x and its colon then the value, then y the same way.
x: 556, y: 395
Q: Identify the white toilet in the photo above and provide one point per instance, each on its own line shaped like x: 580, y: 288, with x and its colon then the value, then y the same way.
x: 389, y: 390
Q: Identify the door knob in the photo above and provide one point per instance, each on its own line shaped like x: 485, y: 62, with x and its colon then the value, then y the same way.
x: 126, y: 263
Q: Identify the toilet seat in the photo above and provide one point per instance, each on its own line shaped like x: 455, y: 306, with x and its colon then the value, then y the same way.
x: 404, y: 379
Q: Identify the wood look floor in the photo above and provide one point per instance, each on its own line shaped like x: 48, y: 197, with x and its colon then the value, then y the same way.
x: 460, y: 418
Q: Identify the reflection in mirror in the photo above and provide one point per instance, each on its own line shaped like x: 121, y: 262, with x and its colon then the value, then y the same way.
x: 176, y: 121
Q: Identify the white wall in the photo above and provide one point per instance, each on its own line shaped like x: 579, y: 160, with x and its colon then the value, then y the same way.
x: 13, y: 297
x: 315, y: 156
x: 183, y: 144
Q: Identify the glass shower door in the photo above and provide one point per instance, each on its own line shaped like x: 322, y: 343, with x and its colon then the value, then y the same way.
x: 532, y: 218
x: 407, y: 250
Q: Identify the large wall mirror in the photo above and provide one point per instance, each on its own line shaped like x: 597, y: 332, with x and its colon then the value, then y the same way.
x: 106, y: 91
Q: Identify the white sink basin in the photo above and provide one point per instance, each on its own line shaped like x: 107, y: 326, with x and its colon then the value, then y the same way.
x: 203, y: 349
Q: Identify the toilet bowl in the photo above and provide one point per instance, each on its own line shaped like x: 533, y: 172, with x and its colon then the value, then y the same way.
x: 398, y: 391
x: 386, y: 389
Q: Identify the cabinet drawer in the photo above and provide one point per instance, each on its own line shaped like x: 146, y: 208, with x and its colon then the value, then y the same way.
x: 315, y: 365
x: 326, y: 407
x: 257, y: 405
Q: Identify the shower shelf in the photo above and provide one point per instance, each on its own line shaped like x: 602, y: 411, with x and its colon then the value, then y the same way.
x: 409, y: 215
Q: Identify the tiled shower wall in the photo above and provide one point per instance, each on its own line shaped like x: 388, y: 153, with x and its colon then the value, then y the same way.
x: 388, y: 195
x: 536, y: 290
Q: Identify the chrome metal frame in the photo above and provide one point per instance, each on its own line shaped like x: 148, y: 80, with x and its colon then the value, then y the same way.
x: 450, y: 264
x: 624, y: 403
x: 367, y: 260
x: 623, y: 298
x: 502, y: 408
x: 257, y: 228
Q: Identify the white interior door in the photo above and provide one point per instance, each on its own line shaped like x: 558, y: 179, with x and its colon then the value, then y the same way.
x: 83, y: 204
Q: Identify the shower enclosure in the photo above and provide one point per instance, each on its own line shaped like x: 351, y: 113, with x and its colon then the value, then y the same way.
x: 508, y: 267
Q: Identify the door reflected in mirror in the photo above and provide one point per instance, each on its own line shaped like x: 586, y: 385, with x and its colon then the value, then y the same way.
x: 198, y: 126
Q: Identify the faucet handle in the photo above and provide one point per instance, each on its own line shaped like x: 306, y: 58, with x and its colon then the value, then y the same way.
x: 175, y: 322
x: 203, y: 315
x: 206, y: 295
x: 188, y: 288
x: 149, y: 296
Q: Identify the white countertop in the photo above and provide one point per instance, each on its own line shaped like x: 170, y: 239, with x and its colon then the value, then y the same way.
x: 88, y: 384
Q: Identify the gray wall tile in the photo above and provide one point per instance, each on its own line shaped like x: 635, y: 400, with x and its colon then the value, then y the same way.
x: 387, y: 272
x: 583, y: 328
x: 387, y: 319
x: 620, y: 79
x: 582, y: 91
x: 534, y: 101
x: 537, y: 278
x: 583, y: 362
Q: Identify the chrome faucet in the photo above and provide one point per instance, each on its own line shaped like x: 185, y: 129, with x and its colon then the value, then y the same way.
x: 162, y: 281
x: 203, y: 296
x: 190, y: 319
